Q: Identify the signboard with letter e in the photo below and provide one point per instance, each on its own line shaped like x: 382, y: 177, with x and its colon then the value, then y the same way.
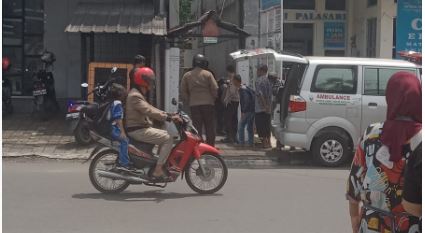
x: 409, y: 26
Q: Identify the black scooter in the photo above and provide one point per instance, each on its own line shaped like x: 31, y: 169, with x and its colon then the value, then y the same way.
x: 45, y: 103
x: 77, y: 121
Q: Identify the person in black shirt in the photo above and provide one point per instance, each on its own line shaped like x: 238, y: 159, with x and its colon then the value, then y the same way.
x: 412, y: 192
x: 139, y: 61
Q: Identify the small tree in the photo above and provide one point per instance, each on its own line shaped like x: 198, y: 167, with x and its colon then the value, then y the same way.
x: 185, y: 11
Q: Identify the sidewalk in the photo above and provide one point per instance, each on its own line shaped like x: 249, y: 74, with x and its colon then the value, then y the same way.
x: 23, y: 136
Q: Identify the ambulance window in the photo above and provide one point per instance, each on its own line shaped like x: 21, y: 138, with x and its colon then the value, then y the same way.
x: 335, y: 79
x: 376, y: 79
x: 370, y: 81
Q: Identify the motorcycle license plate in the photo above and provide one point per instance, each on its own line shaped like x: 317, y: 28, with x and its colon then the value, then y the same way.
x: 74, y: 115
x: 39, y: 92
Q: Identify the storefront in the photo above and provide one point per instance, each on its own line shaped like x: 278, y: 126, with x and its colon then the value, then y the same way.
x: 307, y: 27
x: 23, y: 34
x: 79, y: 32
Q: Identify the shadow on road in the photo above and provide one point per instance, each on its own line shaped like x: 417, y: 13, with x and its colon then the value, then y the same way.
x: 154, y: 196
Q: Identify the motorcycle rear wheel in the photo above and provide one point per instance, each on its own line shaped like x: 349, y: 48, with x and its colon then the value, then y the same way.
x: 105, y: 160
x: 82, y: 134
x: 215, y: 177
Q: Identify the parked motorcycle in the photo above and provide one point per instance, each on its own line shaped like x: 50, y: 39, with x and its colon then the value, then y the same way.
x: 45, y: 103
x: 77, y: 121
x: 202, y: 166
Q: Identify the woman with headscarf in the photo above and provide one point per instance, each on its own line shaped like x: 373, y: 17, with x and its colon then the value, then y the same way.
x: 376, y: 177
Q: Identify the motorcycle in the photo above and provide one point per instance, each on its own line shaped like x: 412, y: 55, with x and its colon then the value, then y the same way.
x: 77, y: 123
x: 45, y: 103
x: 202, y: 166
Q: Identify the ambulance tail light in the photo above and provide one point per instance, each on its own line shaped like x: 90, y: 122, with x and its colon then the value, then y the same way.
x: 297, y: 104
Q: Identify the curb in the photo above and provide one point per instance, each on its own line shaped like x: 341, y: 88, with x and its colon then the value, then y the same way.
x: 231, y: 161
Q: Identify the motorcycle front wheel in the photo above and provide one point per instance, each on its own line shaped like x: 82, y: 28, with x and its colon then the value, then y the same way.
x: 211, y: 179
x: 105, y: 160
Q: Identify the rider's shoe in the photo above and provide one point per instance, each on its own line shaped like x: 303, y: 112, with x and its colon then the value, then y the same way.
x: 122, y: 168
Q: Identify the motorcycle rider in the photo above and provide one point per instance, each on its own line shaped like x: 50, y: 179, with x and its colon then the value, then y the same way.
x: 138, y: 118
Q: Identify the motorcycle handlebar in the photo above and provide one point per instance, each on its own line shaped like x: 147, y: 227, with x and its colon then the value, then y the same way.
x: 101, y: 89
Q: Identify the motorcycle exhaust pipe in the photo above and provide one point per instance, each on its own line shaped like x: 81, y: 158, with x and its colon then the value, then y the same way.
x: 113, y: 175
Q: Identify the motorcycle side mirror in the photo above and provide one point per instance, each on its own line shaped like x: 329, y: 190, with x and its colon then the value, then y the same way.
x: 174, y: 101
x: 114, y: 69
x: 84, y: 85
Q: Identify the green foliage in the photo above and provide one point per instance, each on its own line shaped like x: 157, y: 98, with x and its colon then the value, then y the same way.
x: 185, y: 11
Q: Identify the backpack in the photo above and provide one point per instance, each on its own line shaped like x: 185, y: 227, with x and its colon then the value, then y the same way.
x: 251, y: 93
x: 103, y: 121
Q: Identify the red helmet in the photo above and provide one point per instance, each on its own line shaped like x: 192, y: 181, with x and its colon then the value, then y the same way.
x: 5, y: 63
x: 144, y: 77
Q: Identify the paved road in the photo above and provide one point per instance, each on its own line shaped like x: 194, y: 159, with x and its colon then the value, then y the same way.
x: 42, y: 196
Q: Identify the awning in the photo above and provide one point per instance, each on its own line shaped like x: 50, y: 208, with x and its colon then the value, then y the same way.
x: 117, y: 17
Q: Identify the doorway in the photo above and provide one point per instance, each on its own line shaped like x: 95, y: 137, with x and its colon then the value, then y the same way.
x: 298, y: 38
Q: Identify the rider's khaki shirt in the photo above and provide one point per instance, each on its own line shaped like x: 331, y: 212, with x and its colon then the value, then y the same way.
x: 138, y: 111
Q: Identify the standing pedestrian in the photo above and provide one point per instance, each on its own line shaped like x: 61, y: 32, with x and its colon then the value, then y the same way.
x: 247, y: 102
x: 231, y: 103
x: 199, y: 89
x: 138, y: 62
x: 376, y: 180
x: 277, y: 86
x: 263, y: 105
x: 219, y: 106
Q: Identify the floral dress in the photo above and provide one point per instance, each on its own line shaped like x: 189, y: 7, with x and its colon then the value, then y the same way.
x: 378, y: 182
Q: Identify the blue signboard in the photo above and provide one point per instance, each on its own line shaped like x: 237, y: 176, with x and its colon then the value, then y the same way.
x: 334, y: 35
x: 266, y: 4
x: 409, y: 25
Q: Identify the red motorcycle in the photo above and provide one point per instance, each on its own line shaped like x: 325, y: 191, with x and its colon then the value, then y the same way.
x: 202, y: 166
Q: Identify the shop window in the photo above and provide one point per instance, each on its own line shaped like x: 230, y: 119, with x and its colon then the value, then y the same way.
x: 34, y: 17
x: 12, y: 31
x: 335, y: 79
x: 336, y: 5
x: 23, y: 41
x: 33, y: 45
x: 376, y: 80
x: 299, y: 4
x: 12, y: 8
x: 371, y: 37
x: 372, y: 3
x: 120, y: 47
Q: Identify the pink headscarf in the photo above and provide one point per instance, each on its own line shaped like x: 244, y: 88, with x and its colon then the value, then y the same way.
x: 404, y: 113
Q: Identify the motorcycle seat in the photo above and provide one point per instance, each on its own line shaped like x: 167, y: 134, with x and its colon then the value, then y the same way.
x: 90, y: 109
x: 143, y: 146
